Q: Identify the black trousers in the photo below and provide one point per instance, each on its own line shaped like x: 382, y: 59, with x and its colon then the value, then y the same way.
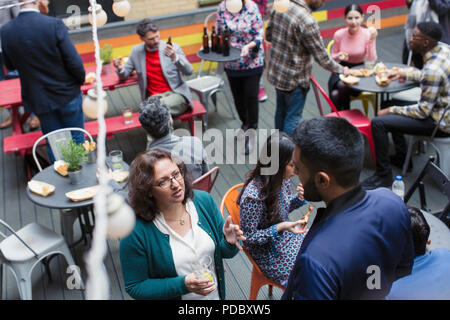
x: 245, y: 93
x: 397, y: 125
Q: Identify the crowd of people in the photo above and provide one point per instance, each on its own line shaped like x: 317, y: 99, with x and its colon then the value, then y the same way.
x: 362, y: 226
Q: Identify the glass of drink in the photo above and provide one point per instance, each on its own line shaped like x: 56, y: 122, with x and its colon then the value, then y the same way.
x: 127, y: 114
x: 203, y: 269
x: 369, y: 64
x: 116, y: 159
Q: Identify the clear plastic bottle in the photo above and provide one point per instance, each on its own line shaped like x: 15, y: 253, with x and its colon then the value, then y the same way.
x: 398, y: 187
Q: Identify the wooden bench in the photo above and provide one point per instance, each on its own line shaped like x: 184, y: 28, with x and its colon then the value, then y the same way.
x: 25, y: 142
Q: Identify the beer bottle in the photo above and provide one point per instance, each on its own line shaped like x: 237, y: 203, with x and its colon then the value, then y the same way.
x: 226, y: 43
x: 214, y: 40
x: 219, y: 42
x: 205, y: 41
x: 169, y: 41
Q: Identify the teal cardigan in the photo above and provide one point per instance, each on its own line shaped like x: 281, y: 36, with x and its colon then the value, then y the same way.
x: 146, y: 256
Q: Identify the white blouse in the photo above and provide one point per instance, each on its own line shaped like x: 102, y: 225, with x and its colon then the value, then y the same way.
x: 188, y: 250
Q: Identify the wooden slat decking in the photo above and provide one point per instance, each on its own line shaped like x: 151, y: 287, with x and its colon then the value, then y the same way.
x: 17, y: 210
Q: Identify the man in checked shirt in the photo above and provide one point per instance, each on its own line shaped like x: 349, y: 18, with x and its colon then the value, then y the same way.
x: 420, y: 118
x: 295, y: 39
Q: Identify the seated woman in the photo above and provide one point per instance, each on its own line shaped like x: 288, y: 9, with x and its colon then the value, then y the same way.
x: 352, y: 46
x: 265, y: 202
x: 176, y: 227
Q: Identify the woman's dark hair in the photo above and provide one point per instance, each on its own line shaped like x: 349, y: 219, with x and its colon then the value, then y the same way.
x: 154, y: 117
x: 353, y: 7
x: 420, y: 231
x: 141, y: 182
x: 272, y: 183
x: 332, y: 145
x: 146, y: 25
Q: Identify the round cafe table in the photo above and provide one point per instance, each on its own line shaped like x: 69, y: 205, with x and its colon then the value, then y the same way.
x: 369, y: 84
x: 235, y: 54
x: 58, y: 199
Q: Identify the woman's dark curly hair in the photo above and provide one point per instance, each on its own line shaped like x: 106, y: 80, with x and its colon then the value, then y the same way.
x: 141, y: 182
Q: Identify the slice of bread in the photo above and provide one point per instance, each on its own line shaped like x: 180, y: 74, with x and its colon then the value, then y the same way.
x: 350, y: 80
x: 82, y: 194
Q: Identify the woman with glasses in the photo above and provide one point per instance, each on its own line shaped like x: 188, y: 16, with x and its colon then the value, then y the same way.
x: 265, y: 202
x: 176, y: 228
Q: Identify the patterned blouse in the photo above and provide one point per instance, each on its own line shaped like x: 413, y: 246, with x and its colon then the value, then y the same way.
x: 274, y: 252
x: 244, y: 26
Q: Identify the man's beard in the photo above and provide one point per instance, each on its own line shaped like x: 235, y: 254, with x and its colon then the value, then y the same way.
x: 311, y: 192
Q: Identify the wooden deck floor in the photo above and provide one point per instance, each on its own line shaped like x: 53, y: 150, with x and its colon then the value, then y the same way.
x: 17, y: 210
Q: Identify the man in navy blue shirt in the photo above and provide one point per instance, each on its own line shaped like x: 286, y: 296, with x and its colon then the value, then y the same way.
x: 361, y: 242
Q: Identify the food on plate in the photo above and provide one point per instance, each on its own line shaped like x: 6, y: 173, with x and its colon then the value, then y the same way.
x: 350, y: 80
x: 89, y: 146
x: 90, y: 78
x: 41, y: 188
x: 120, y: 176
x: 380, y: 67
x: 82, y: 194
x: 382, y: 79
x: 362, y: 72
x: 61, y: 167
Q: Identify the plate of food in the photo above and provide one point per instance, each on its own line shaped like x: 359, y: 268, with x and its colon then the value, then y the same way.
x: 61, y: 167
x: 82, y: 194
x: 41, y: 188
x: 90, y: 78
x: 382, y: 79
x: 350, y: 80
x: 362, y: 72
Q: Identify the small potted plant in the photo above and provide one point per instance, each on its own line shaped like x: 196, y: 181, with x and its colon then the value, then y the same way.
x: 106, y: 56
x: 74, y: 155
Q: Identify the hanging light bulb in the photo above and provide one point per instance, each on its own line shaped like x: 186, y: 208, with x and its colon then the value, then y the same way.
x: 234, y: 6
x: 281, y: 5
x: 121, y: 8
x: 100, y: 14
x: 121, y: 218
x: 90, y: 103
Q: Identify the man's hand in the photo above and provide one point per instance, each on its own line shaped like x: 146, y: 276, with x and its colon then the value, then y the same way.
x: 396, y: 74
x: 383, y: 112
x: 117, y: 62
x: 170, y: 52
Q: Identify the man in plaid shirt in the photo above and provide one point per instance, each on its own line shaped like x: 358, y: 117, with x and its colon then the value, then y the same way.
x: 295, y: 39
x: 416, y: 119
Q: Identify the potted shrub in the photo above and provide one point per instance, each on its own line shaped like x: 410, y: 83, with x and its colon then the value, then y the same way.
x: 74, y: 154
x: 106, y: 56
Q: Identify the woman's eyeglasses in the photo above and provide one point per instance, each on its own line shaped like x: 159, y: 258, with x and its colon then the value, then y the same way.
x: 166, y: 183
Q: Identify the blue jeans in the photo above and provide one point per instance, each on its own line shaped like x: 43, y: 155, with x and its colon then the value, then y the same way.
x: 289, y: 109
x: 71, y: 115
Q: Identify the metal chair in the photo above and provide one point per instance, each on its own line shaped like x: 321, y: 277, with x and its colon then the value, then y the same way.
x: 258, y: 278
x: 365, y: 96
x: 443, y: 183
x: 354, y: 116
x: 441, y: 145
x: 206, y: 181
x: 206, y: 87
x: 24, y: 249
x: 68, y: 217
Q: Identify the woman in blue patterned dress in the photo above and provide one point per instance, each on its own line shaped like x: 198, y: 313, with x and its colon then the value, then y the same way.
x: 265, y: 202
x: 246, y: 34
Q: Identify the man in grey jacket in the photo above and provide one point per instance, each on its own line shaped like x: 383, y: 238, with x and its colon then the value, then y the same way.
x: 159, y: 67
x: 157, y: 122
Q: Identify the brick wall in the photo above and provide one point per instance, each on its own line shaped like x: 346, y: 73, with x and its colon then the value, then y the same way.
x: 150, y: 8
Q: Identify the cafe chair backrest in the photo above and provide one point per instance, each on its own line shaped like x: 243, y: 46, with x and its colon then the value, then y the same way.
x: 441, y: 180
x: 57, y: 138
x: 206, y: 181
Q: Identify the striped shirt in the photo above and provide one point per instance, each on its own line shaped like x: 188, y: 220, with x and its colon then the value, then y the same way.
x: 295, y: 40
x: 435, y: 85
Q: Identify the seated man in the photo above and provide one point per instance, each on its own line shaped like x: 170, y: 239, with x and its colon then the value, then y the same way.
x: 429, y: 279
x: 156, y: 120
x: 159, y: 67
x: 420, y: 118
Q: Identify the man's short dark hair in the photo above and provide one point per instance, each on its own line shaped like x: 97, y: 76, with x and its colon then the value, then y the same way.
x: 145, y: 26
x: 155, y: 117
x: 420, y: 231
x: 431, y: 29
x: 332, y: 145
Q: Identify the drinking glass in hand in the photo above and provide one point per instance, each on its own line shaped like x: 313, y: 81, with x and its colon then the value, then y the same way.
x: 116, y: 159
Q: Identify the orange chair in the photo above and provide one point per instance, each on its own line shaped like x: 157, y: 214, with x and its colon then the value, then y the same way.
x: 258, y: 278
x: 354, y: 116
x: 206, y: 181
